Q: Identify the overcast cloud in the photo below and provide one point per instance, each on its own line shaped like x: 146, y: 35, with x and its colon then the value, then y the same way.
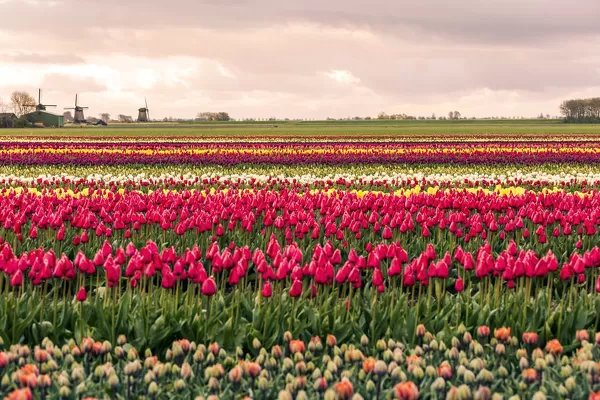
x: 305, y: 59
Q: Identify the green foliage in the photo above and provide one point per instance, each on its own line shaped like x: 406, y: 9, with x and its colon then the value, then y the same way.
x: 21, y: 123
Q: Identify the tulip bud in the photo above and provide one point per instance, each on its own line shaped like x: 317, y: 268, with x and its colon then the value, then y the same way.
x: 285, y: 395
x: 468, y: 377
x: 571, y: 384
x: 152, y: 389
x: 213, y: 384
x: 149, y: 377
x: 566, y: 371
x: 500, y: 349
x: 439, y: 385
x: 331, y: 341
x: 263, y: 383
x: 483, y: 393
x: 539, y: 396
x: 433, y: 345
x: 485, y: 376
x: 364, y: 340
x: 467, y: 338
x: 540, y: 364
x: 418, y: 373
x: 113, y: 381
x: 64, y: 392
x: 380, y: 368
x: 502, y: 372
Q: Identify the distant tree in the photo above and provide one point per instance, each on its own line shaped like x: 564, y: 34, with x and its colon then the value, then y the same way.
x: 105, y: 117
x: 125, y: 118
x: 3, y: 107
x: 216, y: 116
x: 433, y: 116
x: 382, y: 115
x: 68, y: 116
x: 92, y: 120
x: 454, y: 115
x: 581, y: 110
x: 22, y: 103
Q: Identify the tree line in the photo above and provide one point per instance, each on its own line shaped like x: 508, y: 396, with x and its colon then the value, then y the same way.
x: 581, y: 110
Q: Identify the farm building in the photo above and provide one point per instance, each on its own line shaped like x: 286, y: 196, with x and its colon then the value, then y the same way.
x: 7, y: 120
x: 46, y: 118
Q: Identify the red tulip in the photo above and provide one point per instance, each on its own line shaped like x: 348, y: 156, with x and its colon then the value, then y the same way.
x: 209, y: 287
x: 395, y: 267
x: 387, y: 233
x: 81, y: 294
x: 60, y: 235
x: 459, y: 285
x: 377, y: 279
x: 33, y: 233
x: 296, y: 289
x: 16, y: 279
x: 267, y: 291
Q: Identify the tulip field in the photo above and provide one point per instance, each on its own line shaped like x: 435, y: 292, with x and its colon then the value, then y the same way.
x: 293, y: 267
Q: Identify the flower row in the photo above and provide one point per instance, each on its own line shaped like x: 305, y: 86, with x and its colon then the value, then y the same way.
x: 311, y: 138
x: 286, y: 153
x: 563, y: 220
x: 235, y: 291
x: 451, y: 365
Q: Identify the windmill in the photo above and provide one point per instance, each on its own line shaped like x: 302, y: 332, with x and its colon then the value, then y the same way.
x: 144, y: 113
x: 78, y: 118
x: 39, y: 106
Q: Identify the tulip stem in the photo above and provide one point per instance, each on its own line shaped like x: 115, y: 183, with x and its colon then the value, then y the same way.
x: 549, y: 292
x: 571, y: 293
x: 373, y: 314
x: 418, y: 309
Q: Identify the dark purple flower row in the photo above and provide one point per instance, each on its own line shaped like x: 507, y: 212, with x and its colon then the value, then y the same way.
x: 62, y: 152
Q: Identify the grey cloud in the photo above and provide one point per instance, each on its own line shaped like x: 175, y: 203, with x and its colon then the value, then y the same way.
x: 419, y: 55
x: 500, y: 21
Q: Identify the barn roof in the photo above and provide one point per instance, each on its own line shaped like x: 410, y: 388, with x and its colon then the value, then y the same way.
x: 44, y: 112
x: 8, y: 115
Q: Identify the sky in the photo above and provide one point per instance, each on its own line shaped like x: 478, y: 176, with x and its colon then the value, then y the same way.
x: 302, y: 59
